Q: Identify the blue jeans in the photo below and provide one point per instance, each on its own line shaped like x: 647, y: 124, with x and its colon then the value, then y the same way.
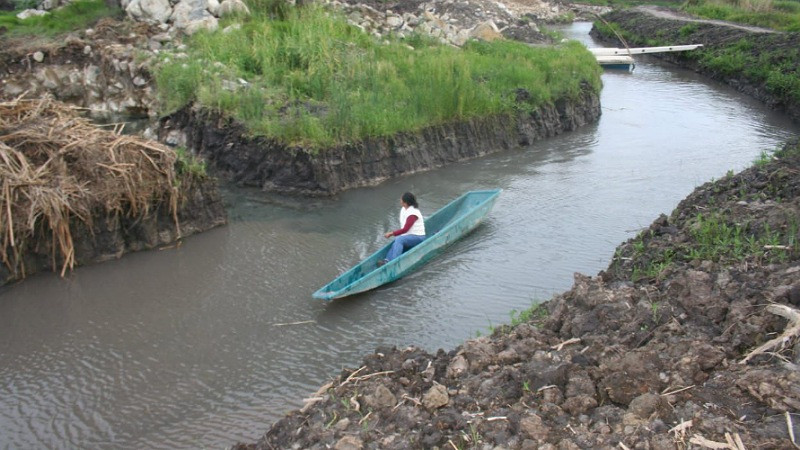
x: 403, y: 243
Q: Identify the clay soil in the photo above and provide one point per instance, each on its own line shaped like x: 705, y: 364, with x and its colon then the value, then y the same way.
x: 619, y: 361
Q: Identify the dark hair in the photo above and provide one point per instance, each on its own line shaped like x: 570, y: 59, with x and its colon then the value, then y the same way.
x: 409, y: 199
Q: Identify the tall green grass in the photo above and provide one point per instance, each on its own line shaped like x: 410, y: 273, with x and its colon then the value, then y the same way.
x: 781, y: 15
x: 74, y: 16
x: 304, y: 76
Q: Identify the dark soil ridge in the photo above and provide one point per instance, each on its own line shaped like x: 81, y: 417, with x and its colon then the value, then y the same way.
x: 274, y: 166
x: 651, y: 363
x: 109, y: 236
x: 642, y: 28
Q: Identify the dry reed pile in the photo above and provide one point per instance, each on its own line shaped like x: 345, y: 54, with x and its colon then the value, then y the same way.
x: 57, y: 170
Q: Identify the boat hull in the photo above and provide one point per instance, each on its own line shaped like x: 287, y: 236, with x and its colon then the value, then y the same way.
x: 446, y: 226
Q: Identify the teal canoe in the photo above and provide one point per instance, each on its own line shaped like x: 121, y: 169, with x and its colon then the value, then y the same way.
x: 444, y: 227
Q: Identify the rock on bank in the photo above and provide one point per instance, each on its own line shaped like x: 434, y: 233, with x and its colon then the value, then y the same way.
x: 273, y: 166
x: 72, y: 193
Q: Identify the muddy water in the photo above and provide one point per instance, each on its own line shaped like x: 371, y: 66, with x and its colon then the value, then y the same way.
x: 208, y: 343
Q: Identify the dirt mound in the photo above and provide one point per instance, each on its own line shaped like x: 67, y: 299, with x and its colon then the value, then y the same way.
x: 57, y: 168
x: 658, y: 352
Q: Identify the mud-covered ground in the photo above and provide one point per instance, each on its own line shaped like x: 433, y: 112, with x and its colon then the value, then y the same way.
x: 649, y: 354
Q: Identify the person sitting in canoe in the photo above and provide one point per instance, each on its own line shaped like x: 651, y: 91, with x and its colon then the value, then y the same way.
x: 413, y: 231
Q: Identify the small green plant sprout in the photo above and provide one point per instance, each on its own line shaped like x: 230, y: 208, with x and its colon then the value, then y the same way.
x: 474, y: 436
x: 526, y: 386
x: 638, y: 244
x: 763, y: 158
x: 655, y: 308
x: 365, y: 422
x: 189, y: 164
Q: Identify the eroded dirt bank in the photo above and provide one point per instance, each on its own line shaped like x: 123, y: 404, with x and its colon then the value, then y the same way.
x: 733, y: 54
x: 276, y: 167
x: 653, y: 353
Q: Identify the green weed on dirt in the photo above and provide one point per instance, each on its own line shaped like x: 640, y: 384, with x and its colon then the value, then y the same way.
x: 717, y: 238
x: 304, y: 76
x: 74, y: 16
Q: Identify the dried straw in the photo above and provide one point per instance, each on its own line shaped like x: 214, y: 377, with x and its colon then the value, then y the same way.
x: 56, y: 168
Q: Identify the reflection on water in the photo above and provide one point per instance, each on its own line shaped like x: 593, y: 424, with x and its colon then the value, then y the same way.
x: 189, y: 347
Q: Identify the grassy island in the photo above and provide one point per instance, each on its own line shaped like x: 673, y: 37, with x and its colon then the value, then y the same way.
x: 304, y: 76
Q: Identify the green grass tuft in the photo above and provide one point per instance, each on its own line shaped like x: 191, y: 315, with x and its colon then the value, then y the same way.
x: 312, y: 79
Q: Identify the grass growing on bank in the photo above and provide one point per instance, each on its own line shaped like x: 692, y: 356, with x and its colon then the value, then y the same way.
x: 312, y: 79
x: 777, y: 68
x: 766, y: 59
x: 781, y: 15
x: 74, y: 16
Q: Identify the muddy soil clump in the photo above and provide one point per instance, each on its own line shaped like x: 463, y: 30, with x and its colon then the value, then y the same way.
x: 649, y: 354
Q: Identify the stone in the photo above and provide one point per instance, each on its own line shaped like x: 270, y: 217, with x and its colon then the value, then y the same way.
x: 38, y: 56
x: 139, y: 81
x: 381, y: 398
x: 213, y: 7
x: 209, y: 23
x: 233, y: 7
x: 460, y: 38
x: 162, y: 37
x: 91, y: 74
x: 175, y: 138
x: 579, y: 404
x: 187, y: 11
x: 436, y: 397
x: 479, y: 353
x: 87, y: 50
x: 342, y: 424
x: 533, y: 427
x: 349, y: 443
x: 30, y: 13
x: 47, y: 5
x: 155, y: 11
x: 13, y: 89
x: 457, y: 367
x: 394, y: 21
x: 486, y: 31
x: 50, y: 79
